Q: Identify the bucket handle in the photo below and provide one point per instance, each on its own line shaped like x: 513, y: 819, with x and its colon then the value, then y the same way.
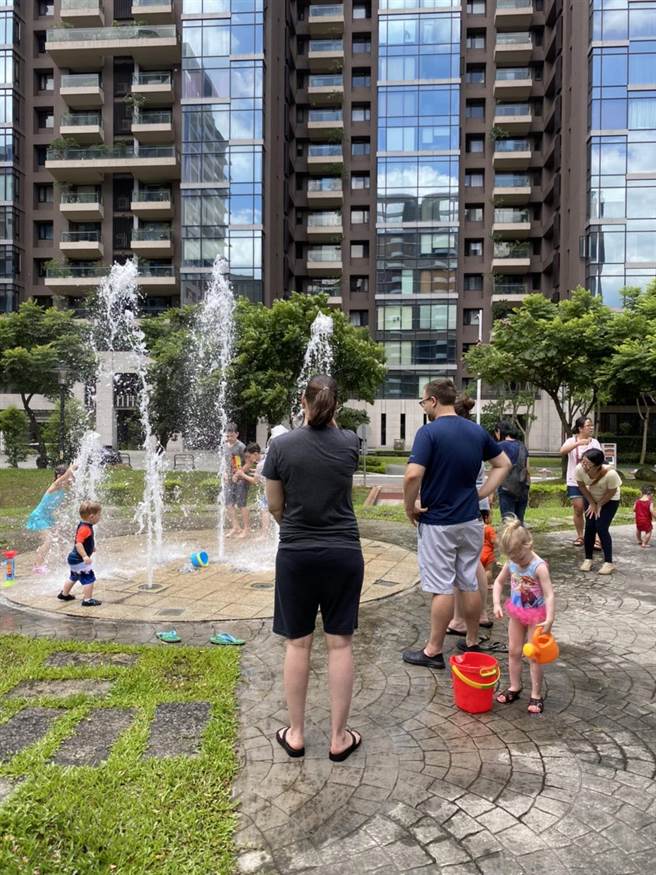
x: 470, y: 683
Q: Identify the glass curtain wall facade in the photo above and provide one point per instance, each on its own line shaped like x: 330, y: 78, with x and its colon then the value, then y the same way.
x: 10, y: 141
x: 417, y: 193
x: 222, y: 143
x: 621, y: 239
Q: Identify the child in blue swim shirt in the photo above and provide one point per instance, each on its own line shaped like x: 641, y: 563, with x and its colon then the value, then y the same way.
x: 42, y: 518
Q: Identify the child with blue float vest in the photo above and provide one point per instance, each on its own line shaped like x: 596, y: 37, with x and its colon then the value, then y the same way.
x: 80, y: 559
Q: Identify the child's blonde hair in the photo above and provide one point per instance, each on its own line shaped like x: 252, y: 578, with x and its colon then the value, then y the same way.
x: 514, y: 535
x: 89, y: 508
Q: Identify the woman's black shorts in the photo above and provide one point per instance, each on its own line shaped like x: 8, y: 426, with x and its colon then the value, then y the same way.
x: 309, y: 579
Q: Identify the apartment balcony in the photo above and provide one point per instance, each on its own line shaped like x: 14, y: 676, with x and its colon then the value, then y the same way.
x: 513, y: 292
x: 514, y: 118
x: 153, y: 11
x: 324, y: 156
x: 325, y: 90
x: 512, y: 154
x: 152, y: 243
x: 155, y: 88
x: 511, y: 224
x: 90, y: 165
x: 84, y: 127
x: 513, y: 48
x: 513, y: 83
x: 326, y: 20
x: 74, y: 278
x: 89, y: 47
x: 157, y: 278
x: 153, y: 126
x: 512, y: 189
x: 324, y: 193
x: 81, y: 206
x: 81, y: 13
x: 511, y: 265
x: 81, y: 244
x: 324, y: 261
x: 513, y: 13
x: 324, y: 123
x: 324, y: 227
x: 152, y: 204
x: 81, y: 90
x: 326, y: 55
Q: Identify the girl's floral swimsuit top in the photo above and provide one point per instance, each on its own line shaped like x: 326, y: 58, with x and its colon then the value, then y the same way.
x: 526, y: 601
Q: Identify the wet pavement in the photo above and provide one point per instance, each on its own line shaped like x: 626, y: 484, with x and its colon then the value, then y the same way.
x: 434, y: 789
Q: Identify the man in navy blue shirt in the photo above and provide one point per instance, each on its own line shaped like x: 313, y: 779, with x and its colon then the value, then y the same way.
x: 446, y: 457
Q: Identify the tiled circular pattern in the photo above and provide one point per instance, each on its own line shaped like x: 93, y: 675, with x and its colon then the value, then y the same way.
x: 218, y: 592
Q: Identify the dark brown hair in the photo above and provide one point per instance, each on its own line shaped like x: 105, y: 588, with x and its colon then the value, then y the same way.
x: 60, y: 470
x: 321, y: 398
x: 595, y: 456
x: 464, y: 406
x: 444, y: 390
x: 89, y: 508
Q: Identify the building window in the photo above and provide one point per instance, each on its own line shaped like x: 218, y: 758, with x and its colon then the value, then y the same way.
x: 359, y: 215
x: 361, y: 112
x: 40, y: 153
x: 361, y: 45
x: 475, y: 143
x: 44, y: 230
x: 474, y: 248
x: 46, y: 7
x: 474, y: 179
x: 40, y: 37
x: 360, y: 181
x: 45, y: 81
x: 475, y: 74
x: 360, y: 147
x: 361, y: 79
x: 473, y: 213
x: 41, y: 267
x: 476, y: 7
x: 361, y: 11
x: 473, y: 282
x: 360, y: 318
x: 475, y: 39
x: 359, y: 284
x: 471, y: 316
x: 44, y: 193
x: 475, y: 109
x: 360, y: 249
x: 45, y: 118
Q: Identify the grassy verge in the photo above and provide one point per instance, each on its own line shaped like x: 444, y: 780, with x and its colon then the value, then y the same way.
x: 130, y: 814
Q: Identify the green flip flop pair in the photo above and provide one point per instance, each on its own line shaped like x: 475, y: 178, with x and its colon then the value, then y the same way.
x: 221, y: 638
x: 170, y: 637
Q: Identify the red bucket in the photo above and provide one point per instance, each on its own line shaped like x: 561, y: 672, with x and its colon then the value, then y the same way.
x: 475, y: 676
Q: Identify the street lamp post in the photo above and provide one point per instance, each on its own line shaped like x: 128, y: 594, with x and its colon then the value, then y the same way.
x: 62, y: 378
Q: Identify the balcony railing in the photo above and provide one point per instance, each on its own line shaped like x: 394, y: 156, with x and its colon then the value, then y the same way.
x: 324, y: 254
x: 156, y: 270
x: 324, y: 220
x: 151, y: 196
x: 83, y: 197
x: 79, y: 4
x: 151, y: 78
x: 73, y: 153
x: 111, y: 34
x: 509, y: 250
x: 80, y: 80
x: 80, y: 119
x: 512, y: 74
x: 325, y: 150
x: 152, y: 234
x: 150, y: 2
x: 317, y: 81
x: 91, y: 271
x: 153, y: 117
x: 514, y: 4
x: 325, y: 115
x: 326, y: 45
x: 502, y: 145
x: 511, y: 289
x: 324, y: 184
x: 511, y: 217
x: 513, y: 38
x: 512, y: 109
x: 333, y: 10
x: 80, y: 236
x: 512, y: 180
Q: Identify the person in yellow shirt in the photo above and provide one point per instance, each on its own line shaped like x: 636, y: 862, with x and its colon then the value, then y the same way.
x: 600, y: 486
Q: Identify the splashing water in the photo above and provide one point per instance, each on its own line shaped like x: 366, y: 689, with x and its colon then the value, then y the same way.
x: 318, y: 359
x: 89, y: 472
x: 211, y: 354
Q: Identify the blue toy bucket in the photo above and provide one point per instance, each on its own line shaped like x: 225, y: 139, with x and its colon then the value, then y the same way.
x: 200, y: 559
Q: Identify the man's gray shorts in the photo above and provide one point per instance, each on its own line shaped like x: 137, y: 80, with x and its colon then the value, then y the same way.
x: 448, y: 556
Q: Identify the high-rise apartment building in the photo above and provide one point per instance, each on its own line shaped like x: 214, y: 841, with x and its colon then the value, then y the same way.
x: 424, y: 163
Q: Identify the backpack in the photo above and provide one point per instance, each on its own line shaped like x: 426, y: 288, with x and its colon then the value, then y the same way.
x: 516, y: 483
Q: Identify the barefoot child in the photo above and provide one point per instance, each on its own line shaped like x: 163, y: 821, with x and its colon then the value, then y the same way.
x: 235, y: 489
x: 531, y: 604
x: 248, y: 474
x: 645, y: 514
x: 42, y: 518
x: 80, y: 558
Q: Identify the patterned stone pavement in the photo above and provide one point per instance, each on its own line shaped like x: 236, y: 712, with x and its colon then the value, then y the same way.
x: 436, y: 790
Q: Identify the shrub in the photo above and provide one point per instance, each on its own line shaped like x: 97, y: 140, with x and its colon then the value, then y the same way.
x: 172, y: 489
x: 541, y: 493
x: 210, y: 489
x: 117, y: 493
x: 14, y: 426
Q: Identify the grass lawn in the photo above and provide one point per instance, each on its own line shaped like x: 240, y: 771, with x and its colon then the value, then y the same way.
x: 129, y: 815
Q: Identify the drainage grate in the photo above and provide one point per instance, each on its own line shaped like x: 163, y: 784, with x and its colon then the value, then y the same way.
x: 146, y: 588
x: 171, y: 612
x: 264, y: 585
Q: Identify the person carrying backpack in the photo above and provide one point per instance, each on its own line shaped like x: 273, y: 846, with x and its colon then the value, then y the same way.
x: 513, y: 493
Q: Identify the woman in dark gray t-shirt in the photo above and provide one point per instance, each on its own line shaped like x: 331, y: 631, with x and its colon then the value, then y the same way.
x: 319, y: 565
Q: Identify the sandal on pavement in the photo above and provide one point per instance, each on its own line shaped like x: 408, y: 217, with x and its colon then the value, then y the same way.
x: 578, y: 542
x: 170, y: 637
x: 488, y: 624
x: 509, y: 696
x: 345, y: 754
x: 226, y: 638
x: 535, y: 706
x: 281, y: 738
x: 450, y: 631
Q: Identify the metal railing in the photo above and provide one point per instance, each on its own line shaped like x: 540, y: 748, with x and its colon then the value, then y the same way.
x: 110, y: 34
x: 324, y: 220
x: 151, y: 78
x: 88, y: 270
x: 513, y: 38
x: 151, y: 2
x: 512, y: 180
x: 97, y: 153
x: 156, y: 270
x: 326, y: 81
x: 151, y: 196
x: 512, y: 74
x: 511, y: 289
x: 502, y: 145
x: 324, y: 253
x: 83, y: 197
x: 152, y: 234
x: 153, y: 117
x: 326, y: 45
x: 512, y: 216
x: 78, y: 119
x: 514, y: 4
x: 512, y: 109
x: 334, y: 10
x: 325, y: 150
x: 80, y: 236
x: 328, y: 184
x: 503, y: 249
x: 325, y: 115
x: 80, y: 4
x: 80, y: 80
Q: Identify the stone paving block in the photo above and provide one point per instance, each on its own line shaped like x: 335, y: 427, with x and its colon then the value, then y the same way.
x: 65, y: 659
x: 24, y: 729
x: 60, y: 689
x: 7, y: 787
x: 481, y: 844
x: 93, y: 737
x: 461, y: 825
x: 177, y: 729
x: 447, y: 852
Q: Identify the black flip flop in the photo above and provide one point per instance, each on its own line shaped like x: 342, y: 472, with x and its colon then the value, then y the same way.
x: 345, y: 754
x: 450, y: 631
x: 486, y: 625
x: 281, y: 738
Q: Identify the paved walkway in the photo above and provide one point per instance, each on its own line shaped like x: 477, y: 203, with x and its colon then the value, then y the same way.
x: 433, y: 789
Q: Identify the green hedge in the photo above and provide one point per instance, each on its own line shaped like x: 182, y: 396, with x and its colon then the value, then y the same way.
x: 210, y: 489
x: 543, y: 492
x: 172, y: 489
x: 116, y: 493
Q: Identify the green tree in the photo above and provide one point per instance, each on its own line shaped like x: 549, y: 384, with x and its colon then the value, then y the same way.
x: 14, y: 426
x: 559, y: 348
x: 352, y: 418
x: 76, y: 422
x: 36, y: 342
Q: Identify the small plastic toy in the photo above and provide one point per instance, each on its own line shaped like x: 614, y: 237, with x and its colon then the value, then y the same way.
x: 200, y: 559
x: 541, y: 648
x: 9, y: 557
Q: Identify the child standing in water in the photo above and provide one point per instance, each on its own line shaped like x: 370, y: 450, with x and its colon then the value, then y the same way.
x: 42, y: 518
x: 80, y: 559
x: 531, y: 604
x: 644, y: 515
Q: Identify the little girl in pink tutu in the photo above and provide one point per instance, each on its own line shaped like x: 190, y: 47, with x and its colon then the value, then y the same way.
x: 531, y: 604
